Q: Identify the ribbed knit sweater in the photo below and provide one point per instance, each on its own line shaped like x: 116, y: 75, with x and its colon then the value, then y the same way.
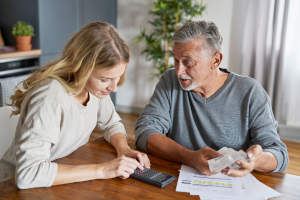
x: 238, y: 115
x: 52, y: 125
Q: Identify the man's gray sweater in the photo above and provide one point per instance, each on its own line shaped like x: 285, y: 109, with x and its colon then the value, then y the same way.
x: 238, y: 115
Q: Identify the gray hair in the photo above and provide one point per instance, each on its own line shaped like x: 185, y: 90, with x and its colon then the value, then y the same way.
x: 201, y: 29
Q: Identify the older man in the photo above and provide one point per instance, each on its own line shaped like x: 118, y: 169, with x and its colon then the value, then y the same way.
x: 199, y: 108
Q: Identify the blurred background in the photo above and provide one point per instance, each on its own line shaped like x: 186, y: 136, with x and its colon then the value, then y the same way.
x: 261, y: 40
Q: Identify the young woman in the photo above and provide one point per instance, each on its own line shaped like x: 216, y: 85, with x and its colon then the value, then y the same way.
x: 60, y: 106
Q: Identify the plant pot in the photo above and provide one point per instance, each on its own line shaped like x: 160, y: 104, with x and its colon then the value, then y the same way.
x: 23, y: 43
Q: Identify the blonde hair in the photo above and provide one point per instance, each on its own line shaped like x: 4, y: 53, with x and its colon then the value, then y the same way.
x: 96, y: 46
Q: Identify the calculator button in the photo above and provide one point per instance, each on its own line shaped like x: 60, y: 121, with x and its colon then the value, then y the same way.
x: 147, y: 173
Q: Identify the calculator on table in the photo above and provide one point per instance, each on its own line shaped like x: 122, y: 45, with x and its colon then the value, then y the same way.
x: 152, y: 177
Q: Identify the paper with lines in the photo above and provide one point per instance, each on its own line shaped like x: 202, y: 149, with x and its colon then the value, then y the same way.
x: 190, y: 180
x: 221, y: 187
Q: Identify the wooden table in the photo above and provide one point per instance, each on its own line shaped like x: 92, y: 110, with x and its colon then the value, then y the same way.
x: 100, y: 151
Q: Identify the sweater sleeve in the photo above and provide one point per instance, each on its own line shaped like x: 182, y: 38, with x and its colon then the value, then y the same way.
x: 263, y: 128
x: 40, y: 129
x: 108, y: 119
x: 155, y: 118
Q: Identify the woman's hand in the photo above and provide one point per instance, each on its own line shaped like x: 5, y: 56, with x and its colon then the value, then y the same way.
x: 141, y: 157
x: 119, y: 141
x: 119, y: 167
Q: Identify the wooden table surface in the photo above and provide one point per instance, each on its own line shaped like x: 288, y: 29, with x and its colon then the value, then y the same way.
x: 100, y: 151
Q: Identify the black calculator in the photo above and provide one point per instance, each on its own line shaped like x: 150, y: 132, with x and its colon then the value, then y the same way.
x: 152, y: 177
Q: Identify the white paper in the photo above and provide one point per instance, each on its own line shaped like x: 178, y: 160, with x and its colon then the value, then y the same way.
x: 219, y: 163
x: 238, y: 155
x: 225, y: 198
x: 218, y: 184
x: 189, y: 169
x: 254, y: 190
x: 246, y: 188
x: 184, y: 183
x: 261, y: 189
x: 229, y: 158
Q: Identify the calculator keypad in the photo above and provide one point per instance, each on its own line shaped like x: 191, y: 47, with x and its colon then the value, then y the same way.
x: 147, y: 173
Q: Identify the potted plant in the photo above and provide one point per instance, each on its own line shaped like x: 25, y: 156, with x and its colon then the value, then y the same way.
x: 169, y: 15
x: 23, y: 32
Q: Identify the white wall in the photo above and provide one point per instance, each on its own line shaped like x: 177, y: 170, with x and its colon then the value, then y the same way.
x: 134, y: 14
x: 136, y: 91
x: 236, y: 36
x: 220, y: 12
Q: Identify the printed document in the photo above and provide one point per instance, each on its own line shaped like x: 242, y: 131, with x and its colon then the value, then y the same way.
x: 222, y: 187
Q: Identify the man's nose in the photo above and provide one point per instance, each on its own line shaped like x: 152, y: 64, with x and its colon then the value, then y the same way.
x: 180, y: 69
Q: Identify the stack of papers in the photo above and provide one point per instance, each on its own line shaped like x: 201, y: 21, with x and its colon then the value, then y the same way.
x: 220, y: 186
x: 229, y: 158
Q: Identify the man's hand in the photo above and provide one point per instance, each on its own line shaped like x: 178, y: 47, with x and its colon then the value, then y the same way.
x: 199, y: 160
x: 253, y: 153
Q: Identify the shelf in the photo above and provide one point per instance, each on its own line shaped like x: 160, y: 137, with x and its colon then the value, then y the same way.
x: 9, y: 56
x: 13, y: 71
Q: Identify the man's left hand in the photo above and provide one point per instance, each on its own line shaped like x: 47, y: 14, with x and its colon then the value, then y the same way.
x: 246, y: 167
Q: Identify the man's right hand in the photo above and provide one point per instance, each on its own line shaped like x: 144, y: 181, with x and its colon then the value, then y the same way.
x: 166, y: 148
x: 198, y: 159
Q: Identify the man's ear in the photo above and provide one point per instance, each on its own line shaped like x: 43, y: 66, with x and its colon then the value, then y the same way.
x: 216, y: 59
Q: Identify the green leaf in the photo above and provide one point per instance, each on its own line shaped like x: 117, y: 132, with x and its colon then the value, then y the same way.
x: 22, y: 29
x: 154, y: 49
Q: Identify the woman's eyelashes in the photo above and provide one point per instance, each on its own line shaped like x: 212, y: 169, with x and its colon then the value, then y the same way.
x: 104, y: 80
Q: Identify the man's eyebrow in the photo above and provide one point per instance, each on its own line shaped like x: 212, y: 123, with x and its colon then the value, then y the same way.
x: 189, y: 57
